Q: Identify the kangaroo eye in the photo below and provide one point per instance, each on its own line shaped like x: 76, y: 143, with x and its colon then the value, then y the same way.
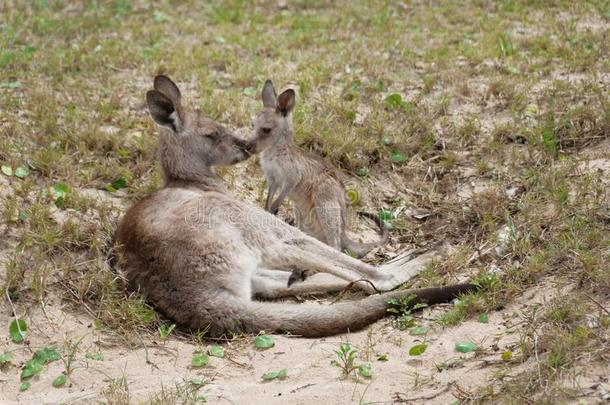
x: 266, y: 130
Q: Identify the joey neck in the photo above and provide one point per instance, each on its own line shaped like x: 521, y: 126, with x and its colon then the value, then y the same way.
x: 286, y: 137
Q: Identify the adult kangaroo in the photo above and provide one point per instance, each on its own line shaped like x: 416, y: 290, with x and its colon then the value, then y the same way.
x: 201, y: 256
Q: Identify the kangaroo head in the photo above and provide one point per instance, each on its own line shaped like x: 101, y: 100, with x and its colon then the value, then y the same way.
x: 274, y: 123
x: 189, y: 143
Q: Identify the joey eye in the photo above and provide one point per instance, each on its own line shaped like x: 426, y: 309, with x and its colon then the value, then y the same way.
x: 266, y: 130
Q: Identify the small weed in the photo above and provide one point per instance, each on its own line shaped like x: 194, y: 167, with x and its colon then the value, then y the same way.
x: 346, y: 361
x: 165, y: 330
x: 346, y: 356
x: 403, y: 308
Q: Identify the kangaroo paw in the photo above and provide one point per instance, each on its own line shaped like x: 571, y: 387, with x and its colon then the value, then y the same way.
x: 289, y: 221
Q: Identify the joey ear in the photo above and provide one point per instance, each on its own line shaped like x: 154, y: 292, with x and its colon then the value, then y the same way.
x: 286, y: 101
x: 162, y: 110
x: 269, y: 95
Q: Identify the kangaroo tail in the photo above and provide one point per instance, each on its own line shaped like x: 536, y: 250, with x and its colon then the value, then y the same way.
x: 313, y: 320
x: 361, y: 249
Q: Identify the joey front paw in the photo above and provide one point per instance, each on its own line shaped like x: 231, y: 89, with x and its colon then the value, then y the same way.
x: 298, y: 275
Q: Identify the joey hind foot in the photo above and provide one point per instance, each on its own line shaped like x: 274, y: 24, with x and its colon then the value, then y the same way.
x: 299, y: 275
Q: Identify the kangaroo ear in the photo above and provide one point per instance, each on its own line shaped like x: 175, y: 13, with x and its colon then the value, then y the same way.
x: 167, y: 87
x: 269, y: 96
x: 162, y: 110
x: 286, y: 101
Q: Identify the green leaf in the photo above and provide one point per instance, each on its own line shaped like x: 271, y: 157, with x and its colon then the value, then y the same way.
x: 60, y: 190
x: 5, y: 358
x: 94, y: 356
x: 249, y: 91
x: 116, y: 185
x: 418, y: 331
x: 7, y: 170
x: 271, y: 375
x: 46, y: 355
x: 397, y: 156
x: 59, y: 381
x: 465, y: 347
x: 25, y: 386
x: 24, y: 215
x: 362, y: 171
x: 59, y: 202
x: 197, y: 381
x: 17, y: 329
x: 484, y: 318
x: 263, y: 342
x: 386, y: 215
x: 365, y: 370
x: 418, y: 349
x: 200, y: 360
x: 38, y: 360
x: 21, y: 172
x: 506, y: 356
x: 31, y: 368
x: 393, y: 101
x: 382, y: 357
x: 217, y: 351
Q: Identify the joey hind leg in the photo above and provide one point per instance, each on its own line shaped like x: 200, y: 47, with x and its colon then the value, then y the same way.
x: 299, y: 275
x: 274, y: 284
x: 331, y: 219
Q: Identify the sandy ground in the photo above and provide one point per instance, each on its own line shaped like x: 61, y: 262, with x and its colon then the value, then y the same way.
x: 236, y: 378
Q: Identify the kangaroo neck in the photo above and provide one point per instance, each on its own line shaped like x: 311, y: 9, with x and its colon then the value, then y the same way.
x: 208, y: 182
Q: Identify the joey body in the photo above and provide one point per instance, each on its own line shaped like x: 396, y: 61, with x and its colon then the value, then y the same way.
x: 309, y: 182
x: 203, y: 258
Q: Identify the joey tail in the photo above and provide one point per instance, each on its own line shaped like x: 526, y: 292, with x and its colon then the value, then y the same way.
x: 359, y: 249
x: 312, y: 320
